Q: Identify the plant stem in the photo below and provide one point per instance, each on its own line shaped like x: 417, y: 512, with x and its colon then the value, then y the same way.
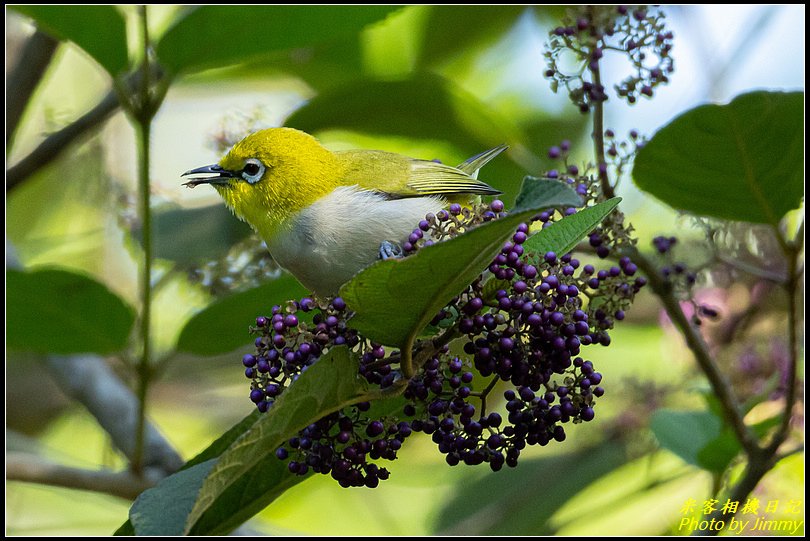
x: 719, y: 383
x: 694, y: 340
x: 791, y: 286
x: 144, y: 366
x: 406, y: 361
x: 24, y: 78
x: 754, y: 471
x: 34, y: 469
x: 143, y: 117
x: 599, y: 140
x: 53, y: 145
x: 764, y: 459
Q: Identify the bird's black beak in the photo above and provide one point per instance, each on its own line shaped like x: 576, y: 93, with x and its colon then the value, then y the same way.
x: 216, y: 175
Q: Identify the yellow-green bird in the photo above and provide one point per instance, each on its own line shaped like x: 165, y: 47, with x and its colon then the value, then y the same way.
x: 326, y: 215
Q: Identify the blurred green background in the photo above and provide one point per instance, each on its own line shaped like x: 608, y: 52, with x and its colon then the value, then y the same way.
x: 431, y: 82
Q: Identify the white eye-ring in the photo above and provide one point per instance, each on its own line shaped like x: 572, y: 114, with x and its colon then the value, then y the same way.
x: 253, y: 170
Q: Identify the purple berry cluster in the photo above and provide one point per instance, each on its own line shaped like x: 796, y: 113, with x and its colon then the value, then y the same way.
x: 523, y: 324
x: 286, y: 345
x: 526, y: 325
x: 621, y: 153
x: 443, y: 405
x: 449, y: 223
x: 344, y: 444
x: 681, y: 279
x: 589, y: 32
x: 674, y: 271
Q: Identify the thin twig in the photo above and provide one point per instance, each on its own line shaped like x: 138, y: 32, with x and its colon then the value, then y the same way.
x: 90, y: 381
x: 720, y: 385
x: 792, y: 251
x: 33, y: 60
x: 599, y: 130
x: 54, y: 144
x: 753, y: 270
x: 33, y: 469
x: 694, y: 340
x: 143, y: 118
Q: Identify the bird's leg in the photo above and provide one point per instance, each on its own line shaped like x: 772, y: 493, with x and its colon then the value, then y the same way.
x: 390, y: 250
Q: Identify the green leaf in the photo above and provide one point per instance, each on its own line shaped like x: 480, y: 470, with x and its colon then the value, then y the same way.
x: 698, y: 437
x: 263, y: 483
x: 450, y: 30
x: 742, y: 161
x: 162, y: 510
x: 717, y: 454
x: 562, y: 236
x: 248, y: 494
x: 223, y: 325
x: 248, y: 476
x: 221, y: 35
x: 212, y: 451
x: 125, y: 529
x: 329, y: 385
x: 426, y: 106
x: 221, y: 444
x: 99, y: 30
x: 394, y: 299
x: 702, y: 438
x: 245, y: 497
x: 59, y: 311
x: 520, y: 501
x: 192, y: 235
x: 545, y: 193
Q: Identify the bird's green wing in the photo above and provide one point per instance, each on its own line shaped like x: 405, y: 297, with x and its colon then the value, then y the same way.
x: 431, y: 178
x: 400, y: 176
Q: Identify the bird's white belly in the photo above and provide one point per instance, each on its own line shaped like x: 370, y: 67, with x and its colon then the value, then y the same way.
x: 327, y: 243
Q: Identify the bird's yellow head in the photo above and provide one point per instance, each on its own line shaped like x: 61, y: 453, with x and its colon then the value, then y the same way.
x: 270, y: 175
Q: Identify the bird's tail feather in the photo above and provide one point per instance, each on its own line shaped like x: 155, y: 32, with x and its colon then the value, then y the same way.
x: 472, y: 165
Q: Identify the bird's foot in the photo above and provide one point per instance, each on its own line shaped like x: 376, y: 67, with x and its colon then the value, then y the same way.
x: 390, y: 250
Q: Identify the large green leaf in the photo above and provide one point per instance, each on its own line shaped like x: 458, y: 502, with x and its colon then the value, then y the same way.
x: 394, y: 299
x: 329, y: 385
x: 97, y: 29
x: 162, y: 510
x: 223, y: 325
x: 148, y: 517
x: 264, y: 482
x: 689, y: 434
x: 424, y: 106
x: 741, y: 161
x: 546, y: 192
x: 521, y: 501
x: 450, y: 30
x: 58, y: 311
x: 563, y: 235
x: 247, y: 495
x: 192, y: 235
x: 702, y: 438
x: 216, y: 36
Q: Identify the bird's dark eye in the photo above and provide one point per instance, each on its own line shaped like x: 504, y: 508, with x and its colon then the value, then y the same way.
x: 253, y: 170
